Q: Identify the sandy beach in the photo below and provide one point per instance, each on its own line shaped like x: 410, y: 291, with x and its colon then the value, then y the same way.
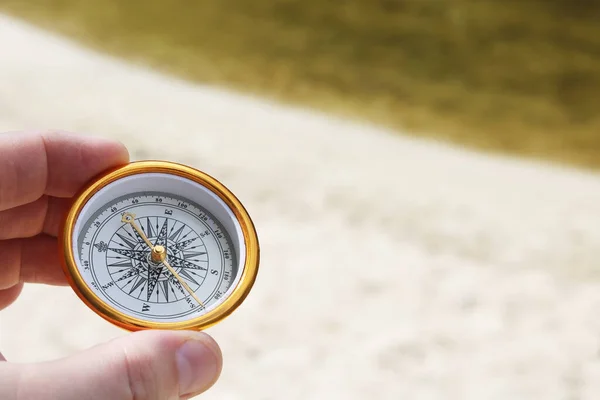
x: 392, y: 268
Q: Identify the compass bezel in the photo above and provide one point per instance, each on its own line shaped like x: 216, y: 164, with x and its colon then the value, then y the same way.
x: 86, y: 294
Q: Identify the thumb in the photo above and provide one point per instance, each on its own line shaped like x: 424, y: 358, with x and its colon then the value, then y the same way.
x: 146, y: 365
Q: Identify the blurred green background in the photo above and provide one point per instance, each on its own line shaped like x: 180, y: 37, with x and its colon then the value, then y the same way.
x: 521, y: 77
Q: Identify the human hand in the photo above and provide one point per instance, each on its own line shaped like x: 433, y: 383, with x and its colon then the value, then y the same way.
x: 39, y: 173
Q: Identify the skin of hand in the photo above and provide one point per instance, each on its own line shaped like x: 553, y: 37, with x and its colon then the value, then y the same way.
x: 39, y: 173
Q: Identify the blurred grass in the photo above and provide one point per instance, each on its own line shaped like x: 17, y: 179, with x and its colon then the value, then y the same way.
x: 520, y: 76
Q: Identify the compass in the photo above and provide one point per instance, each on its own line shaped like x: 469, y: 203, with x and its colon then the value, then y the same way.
x: 159, y: 245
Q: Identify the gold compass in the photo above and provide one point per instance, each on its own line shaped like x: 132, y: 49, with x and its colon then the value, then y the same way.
x: 159, y: 245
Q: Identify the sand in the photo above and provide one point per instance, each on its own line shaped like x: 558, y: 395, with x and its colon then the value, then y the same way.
x: 392, y: 268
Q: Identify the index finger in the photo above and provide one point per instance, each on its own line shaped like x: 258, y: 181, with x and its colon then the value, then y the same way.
x: 51, y: 163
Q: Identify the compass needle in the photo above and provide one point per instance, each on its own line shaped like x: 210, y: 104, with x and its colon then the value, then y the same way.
x: 159, y: 245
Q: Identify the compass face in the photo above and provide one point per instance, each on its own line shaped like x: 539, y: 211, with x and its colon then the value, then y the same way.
x: 159, y: 248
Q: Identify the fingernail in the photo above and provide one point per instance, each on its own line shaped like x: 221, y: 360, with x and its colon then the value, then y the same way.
x: 198, y: 363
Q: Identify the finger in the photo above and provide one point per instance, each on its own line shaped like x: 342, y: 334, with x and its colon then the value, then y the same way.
x: 8, y: 296
x: 31, y: 260
x: 149, y: 365
x: 55, y: 214
x: 41, y: 216
x: 56, y: 164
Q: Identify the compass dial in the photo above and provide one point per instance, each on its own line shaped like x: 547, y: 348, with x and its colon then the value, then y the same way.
x: 119, y: 267
x: 159, y: 245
